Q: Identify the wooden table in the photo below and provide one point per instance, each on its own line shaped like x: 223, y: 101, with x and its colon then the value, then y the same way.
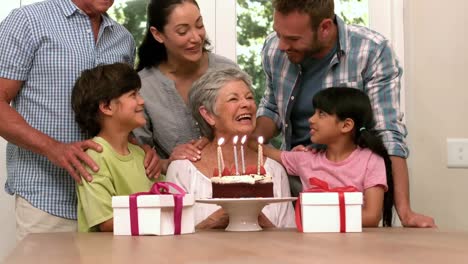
x: 379, y: 245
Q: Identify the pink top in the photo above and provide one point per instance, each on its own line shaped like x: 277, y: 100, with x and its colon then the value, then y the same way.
x: 362, y: 169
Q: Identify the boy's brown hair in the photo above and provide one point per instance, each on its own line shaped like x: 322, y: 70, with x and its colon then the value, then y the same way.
x: 100, y: 84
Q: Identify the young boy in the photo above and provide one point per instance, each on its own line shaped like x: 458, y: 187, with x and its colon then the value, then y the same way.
x: 108, y: 107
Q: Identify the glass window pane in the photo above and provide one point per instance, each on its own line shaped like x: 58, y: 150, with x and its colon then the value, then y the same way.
x: 132, y: 15
x: 353, y: 11
x: 254, y: 23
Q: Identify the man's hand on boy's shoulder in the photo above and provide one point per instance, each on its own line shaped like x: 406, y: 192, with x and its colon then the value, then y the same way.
x: 73, y: 158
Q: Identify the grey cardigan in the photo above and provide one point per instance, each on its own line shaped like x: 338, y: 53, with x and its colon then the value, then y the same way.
x: 169, y: 121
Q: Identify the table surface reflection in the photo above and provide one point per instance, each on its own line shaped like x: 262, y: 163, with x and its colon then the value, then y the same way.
x: 375, y: 245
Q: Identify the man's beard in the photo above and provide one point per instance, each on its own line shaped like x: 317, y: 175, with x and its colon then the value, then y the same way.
x: 313, y: 51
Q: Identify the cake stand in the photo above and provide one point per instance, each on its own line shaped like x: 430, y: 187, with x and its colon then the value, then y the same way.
x: 243, y: 212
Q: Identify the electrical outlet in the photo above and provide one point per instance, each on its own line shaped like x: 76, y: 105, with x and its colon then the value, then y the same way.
x: 457, y: 152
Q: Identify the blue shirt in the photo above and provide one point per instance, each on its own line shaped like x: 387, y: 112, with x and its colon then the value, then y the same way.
x: 363, y: 60
x: 47, y: 45
x: 313, y: 72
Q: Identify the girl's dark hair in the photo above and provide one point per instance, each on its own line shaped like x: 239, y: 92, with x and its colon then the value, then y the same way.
x: 150, y: 52
x: 355, y: 104
x: 100, y: 84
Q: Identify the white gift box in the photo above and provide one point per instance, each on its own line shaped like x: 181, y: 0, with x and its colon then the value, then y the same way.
x: 155, y: 215
x: 321, y: 211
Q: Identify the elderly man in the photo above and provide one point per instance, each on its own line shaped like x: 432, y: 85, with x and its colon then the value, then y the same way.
x: 43, y: 49
x: 312, y: 49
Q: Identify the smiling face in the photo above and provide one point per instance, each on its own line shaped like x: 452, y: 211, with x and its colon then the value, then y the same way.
x: 325, y: 128
x: 296, y: 36
x: 184, y: 34
x: 234, y: 110
x: 128, y: 110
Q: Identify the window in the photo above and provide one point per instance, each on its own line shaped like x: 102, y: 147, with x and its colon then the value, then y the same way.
x: 132, y: 15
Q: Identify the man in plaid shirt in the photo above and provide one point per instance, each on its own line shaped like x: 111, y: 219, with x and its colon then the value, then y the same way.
x: 313, y: 49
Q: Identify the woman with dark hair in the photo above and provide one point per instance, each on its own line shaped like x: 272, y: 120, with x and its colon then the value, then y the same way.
x: 173, y: 54
x: 355, y: 154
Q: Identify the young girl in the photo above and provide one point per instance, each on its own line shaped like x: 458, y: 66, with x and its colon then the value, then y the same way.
x: 108, y: 107
x: 354, y: 156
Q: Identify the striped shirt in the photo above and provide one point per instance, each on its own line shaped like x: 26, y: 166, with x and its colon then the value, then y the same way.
x: 363, y: 60
x: 47, y: 45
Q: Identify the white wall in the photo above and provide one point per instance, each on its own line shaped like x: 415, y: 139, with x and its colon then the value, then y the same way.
x: 387, y: 18
x: 436, y: 70
x: 7, y: 212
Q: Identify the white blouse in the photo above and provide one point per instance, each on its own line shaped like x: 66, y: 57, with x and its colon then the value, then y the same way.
x: 186, y: 175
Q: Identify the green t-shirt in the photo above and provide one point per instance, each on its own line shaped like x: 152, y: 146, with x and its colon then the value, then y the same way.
x: 117, y: 175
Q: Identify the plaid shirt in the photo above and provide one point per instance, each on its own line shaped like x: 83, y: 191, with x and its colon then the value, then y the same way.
x: 47, y: 45
x: 364, y: 60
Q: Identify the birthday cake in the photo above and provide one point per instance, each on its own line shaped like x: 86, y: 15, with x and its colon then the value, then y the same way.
x: 250, y: 184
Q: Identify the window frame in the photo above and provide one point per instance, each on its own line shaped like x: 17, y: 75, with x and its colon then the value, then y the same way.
x: 387, y: 18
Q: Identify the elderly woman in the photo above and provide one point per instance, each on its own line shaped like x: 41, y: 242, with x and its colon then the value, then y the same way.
x: 222, y: 102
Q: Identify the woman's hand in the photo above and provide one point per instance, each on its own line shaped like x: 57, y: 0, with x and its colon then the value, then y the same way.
x: 190, y: 150
x: 152, y: 163
x: 217, y: 220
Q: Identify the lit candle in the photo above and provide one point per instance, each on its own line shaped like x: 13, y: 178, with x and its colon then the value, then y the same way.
x: 234, y: 141
x: 242, y: 153
x: 260, y: 154
x: 220, y: 156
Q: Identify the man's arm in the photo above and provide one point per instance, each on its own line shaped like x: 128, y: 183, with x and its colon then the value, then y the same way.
x: 19, y: 132
x: 266, y: 128
x: 268, y: 118
x: 382, y: 84
x: 402, y: 202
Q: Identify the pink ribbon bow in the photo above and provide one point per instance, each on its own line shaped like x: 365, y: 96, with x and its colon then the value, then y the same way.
x: 158, y: 188
x: 322, y: 186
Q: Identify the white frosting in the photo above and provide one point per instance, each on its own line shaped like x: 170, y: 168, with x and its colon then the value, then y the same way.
x: 250, y: 179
